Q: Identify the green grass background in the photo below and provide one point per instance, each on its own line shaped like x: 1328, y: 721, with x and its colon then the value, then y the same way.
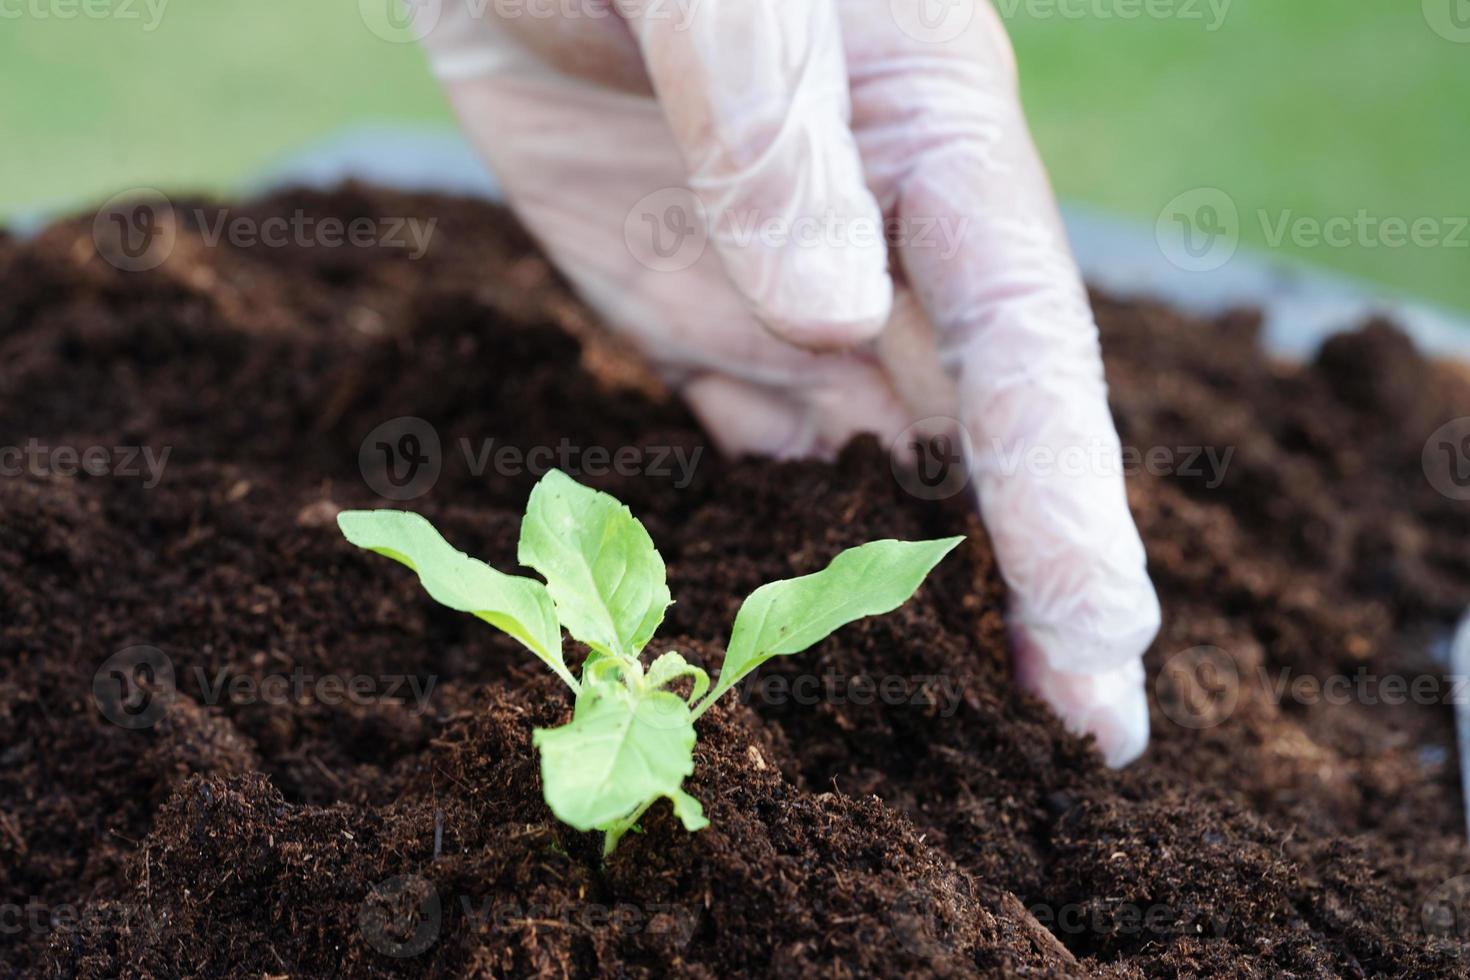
x: 1317, y: 106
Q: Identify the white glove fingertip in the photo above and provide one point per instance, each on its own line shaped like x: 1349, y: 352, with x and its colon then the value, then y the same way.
x: 1119, y: 721
x: 833, y: 310
x: 1111, y: 706
x: 1094, y: 631
x: 757, y: 97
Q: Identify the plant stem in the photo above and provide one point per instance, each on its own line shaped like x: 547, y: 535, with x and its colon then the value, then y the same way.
x: 616, y: 831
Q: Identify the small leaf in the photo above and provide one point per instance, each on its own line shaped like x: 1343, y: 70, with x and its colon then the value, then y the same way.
x: 686, y: 808
x: 670, y: 667
x: 621, y: 750
x: 689, y: 811
x: 520, y: 606
x: 599, y: 563
x: 788, y: 616
x: 604, y: 676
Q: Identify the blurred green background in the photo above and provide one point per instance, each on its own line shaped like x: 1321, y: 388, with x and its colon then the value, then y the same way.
x: 1318, y: 108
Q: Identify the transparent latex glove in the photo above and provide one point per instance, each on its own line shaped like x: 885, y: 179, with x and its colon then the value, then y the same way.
x: 715, y: 176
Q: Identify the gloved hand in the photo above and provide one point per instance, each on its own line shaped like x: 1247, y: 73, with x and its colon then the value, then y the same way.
x: 801, y: 126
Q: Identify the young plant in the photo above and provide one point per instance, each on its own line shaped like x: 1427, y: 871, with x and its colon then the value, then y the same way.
x: 631, y: 738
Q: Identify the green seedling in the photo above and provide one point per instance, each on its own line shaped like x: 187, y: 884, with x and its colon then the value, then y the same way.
x: 631, y: 739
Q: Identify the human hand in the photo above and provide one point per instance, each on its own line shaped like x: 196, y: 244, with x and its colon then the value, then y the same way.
x: 795, y: 130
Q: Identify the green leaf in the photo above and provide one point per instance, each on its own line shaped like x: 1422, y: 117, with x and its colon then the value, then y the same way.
x: 686, y: 808
x: 520, y: 606
x: 788, y: 616
x: 670, y: 667
x: 689, y: 811
x: 599, y: 563
x: 603, y: 676
x: 623, y: 749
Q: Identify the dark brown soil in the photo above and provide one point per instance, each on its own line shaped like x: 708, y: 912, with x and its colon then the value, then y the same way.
x: 959, y: 832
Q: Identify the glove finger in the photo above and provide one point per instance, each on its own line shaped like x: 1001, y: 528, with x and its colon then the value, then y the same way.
x: 586, y: 40
x: 909, y: 353
x: 1111, y: 706
x: 748, y: 419
x: 756, y: 96
x: 1012, y: 316
x: 575, y: 160
x: 815, y: 422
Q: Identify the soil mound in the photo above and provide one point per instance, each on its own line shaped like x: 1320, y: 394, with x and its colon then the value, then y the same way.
x: 886, y: 804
